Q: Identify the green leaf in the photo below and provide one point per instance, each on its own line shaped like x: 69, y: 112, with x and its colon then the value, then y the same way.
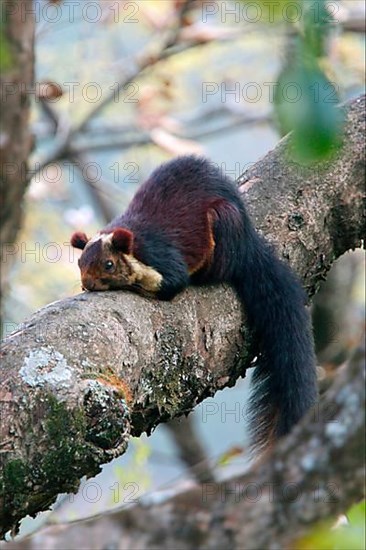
x: 347, y: 537
x: 317, y: 22
x: 271, y: 11
x: 306, y: 104
x: 357, y: 514
x: 6, y: 59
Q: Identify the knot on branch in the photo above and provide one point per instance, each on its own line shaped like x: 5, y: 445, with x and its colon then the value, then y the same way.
x: 107, y: 415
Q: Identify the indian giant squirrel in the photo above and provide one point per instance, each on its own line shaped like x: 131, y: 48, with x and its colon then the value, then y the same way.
x: 187, y: 224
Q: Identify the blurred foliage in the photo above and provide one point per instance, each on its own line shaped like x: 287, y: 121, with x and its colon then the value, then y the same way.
x: 229, y: 455
x: 344, y: 537
x: 316, y: 26
x: 313, y: 113
x: 306, y: 104
x: 6, y: 58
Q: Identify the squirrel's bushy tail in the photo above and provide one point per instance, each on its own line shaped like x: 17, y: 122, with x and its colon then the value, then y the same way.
x: 284, y: 382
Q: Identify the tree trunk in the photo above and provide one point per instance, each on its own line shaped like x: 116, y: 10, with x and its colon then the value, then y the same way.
x: 16, y: 81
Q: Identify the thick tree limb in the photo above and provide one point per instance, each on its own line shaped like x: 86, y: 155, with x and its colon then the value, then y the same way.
x: 312, y: 475
x: 85, y: 372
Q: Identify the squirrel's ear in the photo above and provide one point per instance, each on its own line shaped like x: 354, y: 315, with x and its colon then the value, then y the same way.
x: 122, y: 240
x: 79, y: 240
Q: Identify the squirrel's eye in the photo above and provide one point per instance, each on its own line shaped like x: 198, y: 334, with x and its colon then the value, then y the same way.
x: 109, y: 265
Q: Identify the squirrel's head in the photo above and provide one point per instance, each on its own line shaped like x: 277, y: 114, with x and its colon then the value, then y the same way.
x: 106, y: 262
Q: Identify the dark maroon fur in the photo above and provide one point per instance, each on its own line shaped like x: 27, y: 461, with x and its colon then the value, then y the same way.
x: 122, y: 240
x: 190, y: 224
x: 79, y: 240
x: 174, y: 204
x: 90, y: 258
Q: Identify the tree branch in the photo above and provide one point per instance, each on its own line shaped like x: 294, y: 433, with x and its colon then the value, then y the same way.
x: 312, y: 475
x: 151, y: 56
x: 85, y: 372
x: 139, y: 139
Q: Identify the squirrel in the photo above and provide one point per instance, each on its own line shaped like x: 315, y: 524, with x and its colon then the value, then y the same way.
x: 187, y: 224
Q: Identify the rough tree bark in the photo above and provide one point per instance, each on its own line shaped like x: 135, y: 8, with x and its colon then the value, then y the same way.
x: 314, y: 474
x: 84, y: 373
x: 16, y: 80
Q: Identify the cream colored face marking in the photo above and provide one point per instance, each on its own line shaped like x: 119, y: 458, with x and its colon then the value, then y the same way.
x: 104, y: 237
x: 146, y: 276
x: 143, y: 275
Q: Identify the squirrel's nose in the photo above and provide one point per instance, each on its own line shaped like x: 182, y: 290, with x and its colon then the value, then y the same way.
x: 88, y: 284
